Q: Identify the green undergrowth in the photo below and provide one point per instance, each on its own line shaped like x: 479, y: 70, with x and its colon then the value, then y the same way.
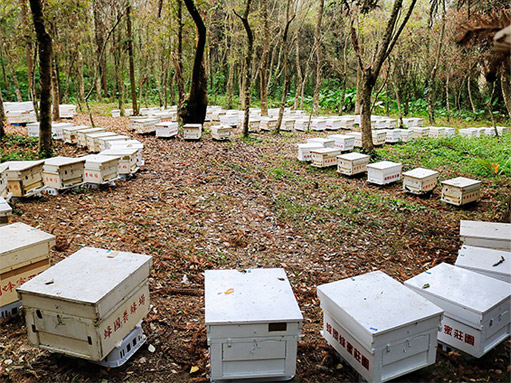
x: 18, y: 148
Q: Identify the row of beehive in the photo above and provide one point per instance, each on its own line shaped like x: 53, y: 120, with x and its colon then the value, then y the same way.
x: 23, y: 112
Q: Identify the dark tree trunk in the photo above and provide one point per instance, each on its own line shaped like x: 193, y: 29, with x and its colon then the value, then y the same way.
x: 2, y: 117
x: 431, y: 100
x: 55, y: 91
x: 45, y: 56
x: 319, y: 60
x: 263, y: 69
x: 131, y: 60
x: 100, y: 40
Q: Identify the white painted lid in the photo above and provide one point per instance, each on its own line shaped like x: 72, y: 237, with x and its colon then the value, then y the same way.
x: 118, y: 151
x: 5, y: 209
x: 251, y: 296
x: 167, y: 124
x: 482, y: 258
x: 99, y: 159
x: 327, y: 151
x: 23, y: 165
x: 61, y: 161
x: 355, y: 134
x: 461, y: 182
x: 321, y: 140
x: 192, y: 126
x: 92, y: 130
x: 310, y: 146
x: 384, y: 165
x: 3, y: 167
x: 353, y: 156
x: 101, y: 134
x: 420, y: 173
x: 485, y: 230
x: 340, y: 137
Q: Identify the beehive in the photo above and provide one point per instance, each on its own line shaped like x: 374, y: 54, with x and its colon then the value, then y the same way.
x: 352, y: 163
x: 24, y: 176
x: 302, y: 125
x: 492, y: 263
x: 358, y: 138
x: 230, y: 118
x: 304, y: 151
x: 128, y: 163
x: 502, y: 130
x: 437, y: 132
x: 324, y: 157
x: 166, y: 129
x: 392, y: 136
x: 221, y: 132
x: 325, y: 142
x: 130, y: 144
x: 116, y: 113
x: 318, y: 124
x: 413, y: 122
x: 268, y: 124
x: 419, y: 132
x: 460, y: 191
x: 489, y: 132
x: 5, y: 212
x: 71, y: 133
x: 3, y: 179
x: 384, y: 172
x: 33, y: 129
x: 342, y: 141
x: 67, y: 111
x: 450, y: 132
x: 468, y: 132
x: 254, y: 125
x: 419, y: 180
x: 379, y: 137
x: 253, y: 324
x: 57, y: 129
x: 405, y: 135
x: 333, y: 124
x: 105, y: 142
x: 63, y: 172
x: 347, y: 123
x: 163, y: 116
x: 381, y: 328
x: 87, y: 303
x: 476, y: 307
x: 493, y: 235
x: 93, y: 140
x: 24, y: 253
x: 287, y: 125
x: 82, y: 135
x: 100, y: 169
x: 17, y: 117
x: 145, y: 126
x: 134, y: 120
x: 192, y: 131
x: 128, y: 112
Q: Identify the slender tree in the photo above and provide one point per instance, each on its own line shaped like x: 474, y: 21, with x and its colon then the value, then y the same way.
x: 263, y: 68
x: 2, y: 117
x: 319, y: 59
x: 131, y: 59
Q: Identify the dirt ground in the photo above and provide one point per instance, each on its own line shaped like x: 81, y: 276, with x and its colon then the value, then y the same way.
x: 242, y: 204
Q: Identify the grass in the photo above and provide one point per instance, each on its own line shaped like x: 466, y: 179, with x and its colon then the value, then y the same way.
x: 18, y: 148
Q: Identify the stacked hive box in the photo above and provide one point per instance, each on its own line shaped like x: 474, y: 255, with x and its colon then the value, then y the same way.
x: 492, y: 235
x: 57, y: 129
x: 100, y: 169
x: 221, y: 132
x: 333, y: 124
x: 192, y: 131
x: 392, y: 136
x: 476, y: 316
x: 325, y: 142
x: 405, y: 135
x: 352, y: 163
x: 24, y: 253
x: 302, y: 125
x: 318, y: 124
x: 343, y: 141
x: 468, y: 133
x: 146, y: 126
x: 324, y: 157
x: 128, y: 163
x: 82, y: 135
x: 379, y: 137
x: 5, y: 211
x: 288, y: 124
x: 304, y: 151
x: 67, y: 111
x: 63, y: 172
x: 268, y: 124
x: 105, y: 142
x: 88, y: 303
x: 254, y: 125
x: 420, y: 132
x: 166, y: 129
x: 130, y: 144
x: 3, y: 179
x: 435, y: 132
x: 71, y: 133
x: 384, y: 172
x: 24, y: 177
x: 492, y: 263
x: 253, y: 324
x: 381, y: 328
x: 358, y: 138
x: 419, y: 181
x: 460, y: 191
x: 93, y: 140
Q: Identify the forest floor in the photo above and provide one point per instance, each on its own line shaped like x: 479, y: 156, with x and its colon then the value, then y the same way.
x: 249, y: 203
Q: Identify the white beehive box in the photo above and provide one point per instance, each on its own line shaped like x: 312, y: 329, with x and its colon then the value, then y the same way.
x: 502, y: 130
x: 163, y: 116
x: 468, y: 132
x: 450, y: 132
x: 325, y: 142
x: 405, y: 135
x: 493, y: 235
x: 166, y: 129
x: 253, y: 324
x: 93, y: 140
x: 104, y: 142
x: 287, y: 125
x: 128, y: 112
x: 318, y: 124
x: 460, y: 191
x: 304, y: 151
x: 480, y: 131
x: 18, y: 117
x: 130, y: 144
x: 384, y: 172
x: 230, y: 118
x: 192, y: 131
x: 67, y: 111
x: 489, y: 132
x: 268, y: 124
x: 24, y: 253
x: 419, y: 180
x: 381, y: 328
x: 342, y: 141
x: 352, y: 163
x: 379, y: 137
x: 100, y: 169
x: 492, y: 263
x: 413, y: 122
x: 419, y: 132
x: 254, y: 125
x: 347, y: 123
x: 302, y: 125
x: 221, y: 132
x: 392, y: 136
x: 476, y: 307
x: 324, y: 157
x: 358, y: 138
x: 71, y: 133
x: 82, y: 135
x: 116, y: 113
x: 3, y: 179
x: 333, y: 124
x: 24, y: 176
x: 128, y: 163
x: 63, y: 172
x: 437, y: 132
x: 134, y: 120
x: 5, y: 213
x: 57, y: 129
x: 33, y: 129
x: 87, y: 303
x: 146, y: 126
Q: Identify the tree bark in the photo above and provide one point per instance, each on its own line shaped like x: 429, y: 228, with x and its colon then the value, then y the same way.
x: 263, y: 69
x: 447, y: 105
x: 319, y: 60
x: 505, y: 85
x: 118, y: 71
x: 55, y: 91
x: 2, y: 117
x: 359, y: 86
x: 131, y: 59
x: 81, y: 86
x: 45, y: 56
x: 299, y: 76
x: 432, y: 77
x: 469, y: 89
x: 100, y: 40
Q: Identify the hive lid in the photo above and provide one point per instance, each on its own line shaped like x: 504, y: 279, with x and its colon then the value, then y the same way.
x: 3, y: 167
x: 22, y: 165
x: 474, y: 292
x: 99, y: 159
x: 118, y: 151
x: 322, y: 140
x: 461, y: 182
x: 192, y: 126
x: 383, y: 165
x: 62, y: 125
x: 249, y: 296
x: 114, y: 138
x: 376, y: 303
x: 316, y: 145
x: 76, y: 128
x: 62, y: 161
x: 89, y: 275
x: 326, y: 151
x: 481, y: 258
x: 420, y: 173
x: 5, y: 209
x: 355, y: 134
x: 101, y: 134
x: 353, y: 156
x: 485, y: 230
x: 91, y: 130
x: 167, y: 124
x: 340, y: 137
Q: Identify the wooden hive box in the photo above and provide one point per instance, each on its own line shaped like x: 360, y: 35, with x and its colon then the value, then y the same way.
x: 4, y: 187
x: 104, y: 142
x: 221, y: 132
x: 324, y: 157
x: 502, y: 130
x: 405, y: 135
x: 392, y: 136
x: 476, y: 307
x: 146, y: 126
x: 333, y: 124
x: 67, y: 111
x: 33, y: 129
x: 437, y: 132
x: 381, y: 328
x: 128, y: 163
x: 100, y: 169
x: 71, y: 133
x: 24, y: 253
x: 287, y: 125
x: 5, y: 212
x: 128, y: 112
x: 24, y: 176
x: 253, y: 324
x: 342, y: 141
x: 63, y: 172
x: 318, y: 124
x: 302, y: 124
x: 192, y: 131
x: 450, y: 132
x: 268, y: 124
x: 325, y: 142
x: 460, y: 191
x: 352, y: 163
x: 163, y: 116
x: 419, y: 132
x: 347, y: 123
x: 358, y: 138
x: 493, y: 235
x: 130, y: 144
x: 304, y: 151
x: 254, y: 125
x: 492, y: 263
x: 166, y: 129
x: 82, y: 135
x: 231, y: 118
x: 489, y: 132
x: 384, y: 172
x: 116, y: 113
x: 379, y: 137
x: 413, y: 122
x: 419, y: 180
x: 93, y: 140
x: 468, y: 133
x: 135, y: 119
x: 57, y: 129
x: 87, y: 303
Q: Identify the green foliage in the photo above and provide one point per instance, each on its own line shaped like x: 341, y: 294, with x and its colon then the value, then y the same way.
x: 18, y: 148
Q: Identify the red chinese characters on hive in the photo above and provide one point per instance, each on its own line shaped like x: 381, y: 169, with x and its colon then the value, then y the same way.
x: 121, y: 320
x: 353, y: 351
x: 9, y: 286
x: 459, y: 335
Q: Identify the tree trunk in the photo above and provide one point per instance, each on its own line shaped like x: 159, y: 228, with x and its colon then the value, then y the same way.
x: 2, y: 117
x: 81, y: 86
x: 263, y: 69
x: 505, y: 84
x: 131, y: 59
x: 99, y: 39
x: 432, y: 77
x: 447, y: 96
x: 319, y: 61
x: 45, y: 55
x: 469, y: 89
x: 489, y: 106
x: 230, y: 83
x: 365, y: 112
x: 344, y: 75
x: 55, y: 91
x: 118, y: 72
x: 299, y: 76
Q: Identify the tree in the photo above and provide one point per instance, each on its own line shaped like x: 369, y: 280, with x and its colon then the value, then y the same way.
x: 131, y: 59
x: 45, y: 72
x: 2, y: 117
x: 319, y: 60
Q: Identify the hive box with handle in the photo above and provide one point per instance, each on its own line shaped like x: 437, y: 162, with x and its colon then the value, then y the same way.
x: 23, y: 177
x: 63, y: 172
x: 419, y: 180
x: 460, y: 191
x: 489, y: 262
x: 494, y: 235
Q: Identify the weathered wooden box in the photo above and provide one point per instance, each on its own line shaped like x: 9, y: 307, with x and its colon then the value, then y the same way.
x: 476, y: 307
x: 145, y: 126
x: 318, y: 124
x: 93, y: 140
x: 105, y: 142
x: 326, y: 142
x: 253, y: 324
x: 302, y: 125
x: 342, y: 141
x: 87, y: 303
x: 100, y: 169
x: 221, y: 132
x: 67, y: 111
x: 384, y: 172
x: 405, y: 135
x: 304, y: 151
x: 254, y: 125
x: 287, y: 125
x: 128, y: 163
x: 379, y: 137
x: 352, y: 163
x: 24, y: 253
x: 192, y: 131
x: 3, y: 179
x: 268, y: 124
x: 82, y: 135
x: 57, y: 129
x: 392, y: 136
x: 5, y: 212
x: 166, y: 129
x: 460, y: 191
x: 419, y: 180
x: 419, y: 132
x: 63, y: 172
x: 358, y: 138
x: 24, y: 176
x: 492, y: 263
x: 493, y: 235
x: 71, y: 133
x: 436, y: 132
x: 333, y: 124
x: 325, y: 157
x: 381, y: 328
